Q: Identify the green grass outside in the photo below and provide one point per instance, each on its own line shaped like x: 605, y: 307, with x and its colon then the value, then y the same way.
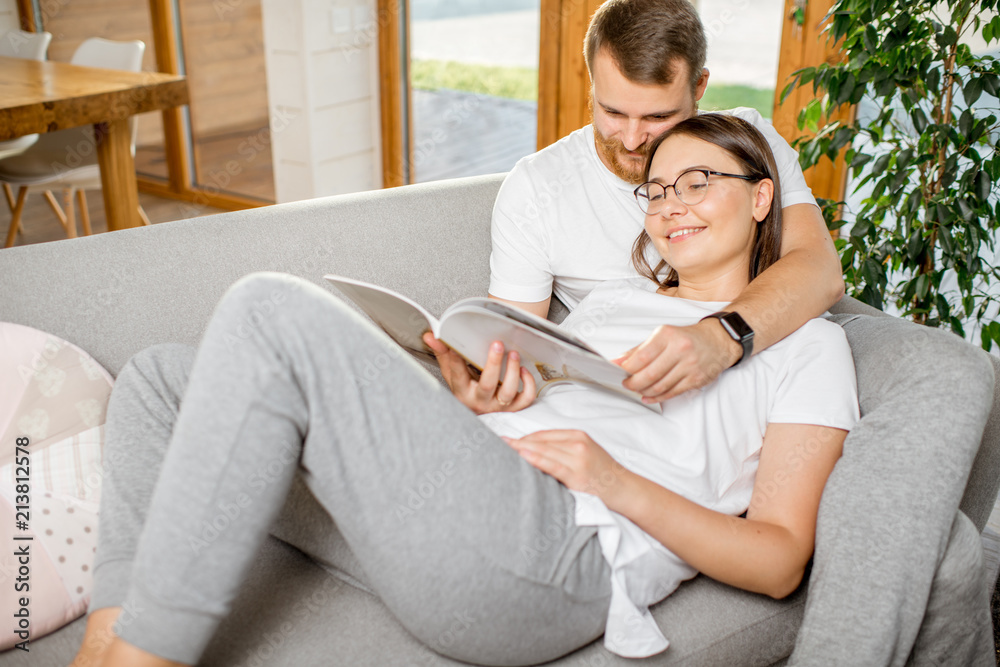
x: 518, y: 83
x: 521, y: 83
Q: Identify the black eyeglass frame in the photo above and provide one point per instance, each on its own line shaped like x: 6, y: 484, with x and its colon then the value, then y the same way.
x: 707, y: 172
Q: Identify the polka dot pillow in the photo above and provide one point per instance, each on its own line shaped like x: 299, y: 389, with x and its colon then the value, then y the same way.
x: 55, y: 396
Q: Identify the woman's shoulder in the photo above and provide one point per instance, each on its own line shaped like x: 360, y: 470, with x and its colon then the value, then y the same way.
x: 818, y: 337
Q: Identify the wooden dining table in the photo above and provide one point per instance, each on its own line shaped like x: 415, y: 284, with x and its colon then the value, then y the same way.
x: 45, y: 96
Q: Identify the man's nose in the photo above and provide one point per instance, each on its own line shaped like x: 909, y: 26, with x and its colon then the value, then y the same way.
x: 634, y: 134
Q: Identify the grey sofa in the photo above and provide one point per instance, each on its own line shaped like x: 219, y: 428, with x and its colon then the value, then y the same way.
x: 116, y: 293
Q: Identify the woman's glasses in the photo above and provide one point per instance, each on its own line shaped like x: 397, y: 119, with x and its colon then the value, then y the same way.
x: 690, y: 187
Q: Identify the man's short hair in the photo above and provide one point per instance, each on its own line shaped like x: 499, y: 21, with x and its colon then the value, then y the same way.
x: 646, y: 38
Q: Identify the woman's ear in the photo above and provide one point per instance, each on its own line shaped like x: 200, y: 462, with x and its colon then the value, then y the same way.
x: 763, y: 196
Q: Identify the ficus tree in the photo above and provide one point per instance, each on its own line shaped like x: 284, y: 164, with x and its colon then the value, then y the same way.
x: 925, y: 156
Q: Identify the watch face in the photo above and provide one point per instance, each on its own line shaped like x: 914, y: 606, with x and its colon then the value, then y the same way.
x: 737, y: 325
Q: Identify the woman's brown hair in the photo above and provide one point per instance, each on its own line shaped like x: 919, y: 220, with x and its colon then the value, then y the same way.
x: 748, y: 147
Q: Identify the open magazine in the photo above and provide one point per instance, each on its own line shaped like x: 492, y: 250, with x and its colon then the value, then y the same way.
x: 553, y: 356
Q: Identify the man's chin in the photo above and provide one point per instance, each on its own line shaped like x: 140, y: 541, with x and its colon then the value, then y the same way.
x: 630, y: 171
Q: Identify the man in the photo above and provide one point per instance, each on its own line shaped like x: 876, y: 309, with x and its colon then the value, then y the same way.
x: 565, y: 219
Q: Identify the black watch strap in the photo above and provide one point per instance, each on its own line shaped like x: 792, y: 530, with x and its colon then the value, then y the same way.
x: 738, y: 329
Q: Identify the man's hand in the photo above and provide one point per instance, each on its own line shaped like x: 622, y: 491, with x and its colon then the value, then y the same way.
x: 678, y: 359
x: 487, y: 393
x: 577, y: 461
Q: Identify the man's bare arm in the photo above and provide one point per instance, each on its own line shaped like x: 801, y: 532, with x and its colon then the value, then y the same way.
x: 804, y: 283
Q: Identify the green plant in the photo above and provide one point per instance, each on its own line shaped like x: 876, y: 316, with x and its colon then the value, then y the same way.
x: 929, y: 152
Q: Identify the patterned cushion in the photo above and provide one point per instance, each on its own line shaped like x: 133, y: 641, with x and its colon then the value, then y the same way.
x: 55, y: 395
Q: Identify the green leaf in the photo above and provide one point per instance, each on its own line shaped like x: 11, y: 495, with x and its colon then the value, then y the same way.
x: 923, y: 283
x: 915, y: 246
x: 881, y: 164
x: 944, y: 238
x: 871, y: 40
x: 919, y: 119
x: 965, y: 209
x: 965, y: 123
x: 973, y: 90
x: 983, y: 186
x: 947, y: 37
x: 933, y: 79
x: 944, y: 308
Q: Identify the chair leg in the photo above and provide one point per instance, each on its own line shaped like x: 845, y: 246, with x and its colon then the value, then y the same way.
x: 70, y: 215
x: 57, y: 209
x: 15, y: 218
x: 10, y: 196
x: 142, y: 216
x: 81, y: 200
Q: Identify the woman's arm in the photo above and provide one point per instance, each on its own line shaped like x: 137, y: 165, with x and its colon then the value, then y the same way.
x: 766, y: 552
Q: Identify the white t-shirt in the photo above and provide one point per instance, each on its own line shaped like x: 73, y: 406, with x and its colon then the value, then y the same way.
x: 705, y: 445
x: 562, y: 216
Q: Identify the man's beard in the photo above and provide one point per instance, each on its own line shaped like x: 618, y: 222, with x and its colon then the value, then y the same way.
x: 616, y: 156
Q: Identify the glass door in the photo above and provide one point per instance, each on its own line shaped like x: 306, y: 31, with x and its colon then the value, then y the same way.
x: 473, y: 78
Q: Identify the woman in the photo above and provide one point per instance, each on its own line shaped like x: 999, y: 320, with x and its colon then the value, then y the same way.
x: 277, y: 388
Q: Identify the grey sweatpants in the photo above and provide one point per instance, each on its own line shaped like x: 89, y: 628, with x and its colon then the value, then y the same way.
x: 289, y: 382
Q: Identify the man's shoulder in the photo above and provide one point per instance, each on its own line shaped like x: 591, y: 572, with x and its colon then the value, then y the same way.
x: 748, y: 114
x: 566, y: 153
x: 552, y: 167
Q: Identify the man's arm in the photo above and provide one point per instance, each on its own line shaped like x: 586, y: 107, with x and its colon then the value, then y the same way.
x: 801, y: 285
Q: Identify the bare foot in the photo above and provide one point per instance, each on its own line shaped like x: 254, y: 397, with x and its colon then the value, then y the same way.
x: 123, y: 654
x: 97, y: 637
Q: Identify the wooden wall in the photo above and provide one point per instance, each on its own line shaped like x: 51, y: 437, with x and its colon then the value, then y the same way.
x: 72, y: 22
x: 224, y: 56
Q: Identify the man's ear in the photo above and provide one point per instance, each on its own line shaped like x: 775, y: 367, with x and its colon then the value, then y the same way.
x: 699, y: 90
x: 763, y: 198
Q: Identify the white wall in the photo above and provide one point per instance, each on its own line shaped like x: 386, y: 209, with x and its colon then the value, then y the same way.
x: 322, y: 80
x: 9, y: 19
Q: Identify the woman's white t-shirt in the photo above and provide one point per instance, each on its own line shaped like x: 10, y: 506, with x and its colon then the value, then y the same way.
x: 704, y: 446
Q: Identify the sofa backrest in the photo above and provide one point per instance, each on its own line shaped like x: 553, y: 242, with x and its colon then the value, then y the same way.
x: 115, y: 294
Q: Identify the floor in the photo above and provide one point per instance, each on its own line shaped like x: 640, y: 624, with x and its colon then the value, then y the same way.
x: 40, y: 224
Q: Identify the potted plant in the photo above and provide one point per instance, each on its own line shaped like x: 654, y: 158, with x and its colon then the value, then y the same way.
x: 928, y: 152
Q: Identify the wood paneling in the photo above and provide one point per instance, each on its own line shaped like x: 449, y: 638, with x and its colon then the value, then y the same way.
x: 563, y: 81
x: 805, y: 46
x: 224, y: 59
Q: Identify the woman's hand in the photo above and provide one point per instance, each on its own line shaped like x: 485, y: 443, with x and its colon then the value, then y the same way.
x: 678, y: 359
x: 487, y: 393
x: 577, y: 461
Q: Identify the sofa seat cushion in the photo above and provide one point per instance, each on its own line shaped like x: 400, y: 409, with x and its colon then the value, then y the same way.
x: 292, y: 612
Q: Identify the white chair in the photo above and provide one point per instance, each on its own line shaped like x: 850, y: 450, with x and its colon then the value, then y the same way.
x: 30, y: 46
x: 67, y: 159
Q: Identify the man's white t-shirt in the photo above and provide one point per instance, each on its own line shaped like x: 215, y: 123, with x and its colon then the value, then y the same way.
x: 704, y: 446
x: 562, y: 222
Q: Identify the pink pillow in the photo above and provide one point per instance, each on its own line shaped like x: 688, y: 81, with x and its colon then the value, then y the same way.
x: 55, y: 395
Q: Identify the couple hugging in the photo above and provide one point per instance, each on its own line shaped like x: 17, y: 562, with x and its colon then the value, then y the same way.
x: 697, y: 238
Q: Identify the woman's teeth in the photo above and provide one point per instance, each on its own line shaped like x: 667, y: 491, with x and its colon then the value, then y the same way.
x: 683, y: 232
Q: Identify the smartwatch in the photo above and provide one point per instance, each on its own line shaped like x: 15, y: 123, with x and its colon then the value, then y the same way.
x: 738, y: 329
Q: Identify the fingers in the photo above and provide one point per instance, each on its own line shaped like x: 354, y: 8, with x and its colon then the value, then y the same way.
x: 489, y: 379
x: 527, y: 395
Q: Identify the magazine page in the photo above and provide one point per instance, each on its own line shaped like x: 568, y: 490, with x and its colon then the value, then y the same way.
x: 403, y: 319
x: 551, y: 361
x: 524, y: 317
